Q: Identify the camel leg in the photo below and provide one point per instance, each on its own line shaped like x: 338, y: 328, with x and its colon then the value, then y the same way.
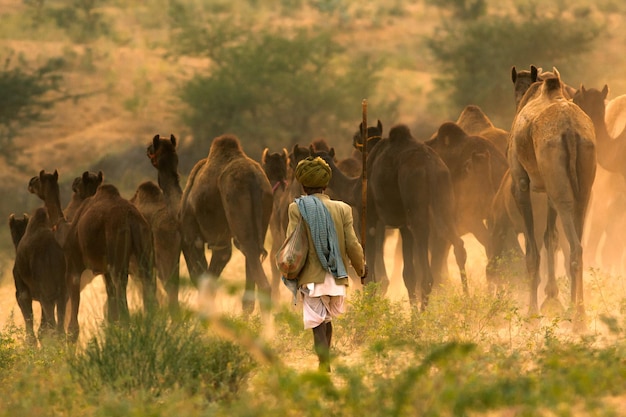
x: 255, y: 277
x: 379, y: 244
x: 117, y: 303
x: 439, y: 249
x: 48, y: 322
x: 60, y: 304
x: 25, y: 301
x: 74, y: 302
x: 521, y: 194
x: 550, y: 239
x: 195, y: 259
x: 408, y: 271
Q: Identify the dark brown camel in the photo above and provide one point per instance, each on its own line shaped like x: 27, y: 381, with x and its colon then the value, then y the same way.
x: 275, y: 167
x: 82, y: 187
x: 406, y: 180
x: 552, y: 150
x: 160, y: 205
x: 107, y: 231
x: 227, y: 198
x: 39, y: 272
x: 46, y: 187
x: 476, y: 168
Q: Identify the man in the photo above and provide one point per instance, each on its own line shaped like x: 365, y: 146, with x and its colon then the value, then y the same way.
x: 333, y: 246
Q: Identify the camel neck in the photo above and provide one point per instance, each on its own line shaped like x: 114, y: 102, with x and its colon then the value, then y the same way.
x: 55, y: 213
x: 344, y: 188
x: 607, y: 148
x: 170, y: 185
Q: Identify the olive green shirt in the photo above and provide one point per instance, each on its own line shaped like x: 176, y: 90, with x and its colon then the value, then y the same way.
x: 349, y: 246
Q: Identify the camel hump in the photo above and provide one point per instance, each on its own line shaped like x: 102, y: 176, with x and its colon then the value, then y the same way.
x: 148, y: 191
x: 450, y: 131
x: 473, y: 120
x: 38, y: 220
x: 400, y: 132
x: 108, y: 190
x: 225, y: 146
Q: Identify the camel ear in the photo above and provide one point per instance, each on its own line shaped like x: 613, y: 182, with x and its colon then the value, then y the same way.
x: 583, y: 89
x: 26, y: 216
x: 331, y: 152
x: 264, y: 156
x: 155, y: 141
x: 605, y: 91
x: 56, y: 175
x: 285, y: 154
x: 85, y: 176
x: 11, y: 218
x: 513, y: 74
x: 534, y: 73
x: 100, y: 176
x: 556, y: 72
x: 173, y: 139
x: 380, y: 127
x: 41, y: 173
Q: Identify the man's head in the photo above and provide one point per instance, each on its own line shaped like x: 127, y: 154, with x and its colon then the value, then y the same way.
x: 314, y: 174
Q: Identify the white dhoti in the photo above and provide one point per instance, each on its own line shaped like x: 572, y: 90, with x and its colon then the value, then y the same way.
x: 322, y: 302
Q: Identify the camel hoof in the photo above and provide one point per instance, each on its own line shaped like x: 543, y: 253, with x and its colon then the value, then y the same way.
x: 552, y: 307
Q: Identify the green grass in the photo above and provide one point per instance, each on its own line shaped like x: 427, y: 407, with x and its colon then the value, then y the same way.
x: 476, y: 355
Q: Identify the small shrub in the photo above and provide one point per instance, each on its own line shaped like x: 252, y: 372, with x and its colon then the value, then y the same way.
x: 156, y: 354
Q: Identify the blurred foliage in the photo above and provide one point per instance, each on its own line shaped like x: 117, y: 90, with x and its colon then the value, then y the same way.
x: 28, y: 93
x: 473, y: 52
x: 82, y: 20
x: 271, y: 88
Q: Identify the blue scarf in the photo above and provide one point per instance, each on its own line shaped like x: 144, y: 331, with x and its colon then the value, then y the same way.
x: 323, y: 233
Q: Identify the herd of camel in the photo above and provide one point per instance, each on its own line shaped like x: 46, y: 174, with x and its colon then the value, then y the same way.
x: 469, y: 177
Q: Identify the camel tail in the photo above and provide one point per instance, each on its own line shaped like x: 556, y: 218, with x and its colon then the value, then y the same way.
x: 570, y: 142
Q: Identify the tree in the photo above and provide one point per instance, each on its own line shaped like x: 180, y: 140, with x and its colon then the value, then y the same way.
x: 271, y: 88
x: 475, y: 55
x: 25, y: 96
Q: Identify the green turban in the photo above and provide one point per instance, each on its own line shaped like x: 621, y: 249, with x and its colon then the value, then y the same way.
x: 313, y: 172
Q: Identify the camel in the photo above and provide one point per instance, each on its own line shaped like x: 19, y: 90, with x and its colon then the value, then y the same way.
x: 476, y: 123
x: 39, y: 273
x: 107, y: 231
x: 406, y: 180
x: 46, y: 187
x: 227, y: 198
x: 476, y: 168
x: 151, y: 203
x: 615, y: 116
x: 160, y: 205
x: 611, y: 152
x: 552, y: 149
x: 275, y: 167
x: 522, y: 80
x: 82, y: 187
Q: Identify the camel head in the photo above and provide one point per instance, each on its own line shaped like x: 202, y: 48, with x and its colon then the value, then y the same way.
x: 275, y: 166
x: 17, y: 227
x: 162, y: 152
x: 298, y: 153
x: 522, y: 80
x: 592, y: 101
x: 374, y: 134
x: 44, y: 185
x: 87, y: 184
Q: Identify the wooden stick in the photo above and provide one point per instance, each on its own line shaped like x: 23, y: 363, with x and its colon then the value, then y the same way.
x: 364, y: 174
